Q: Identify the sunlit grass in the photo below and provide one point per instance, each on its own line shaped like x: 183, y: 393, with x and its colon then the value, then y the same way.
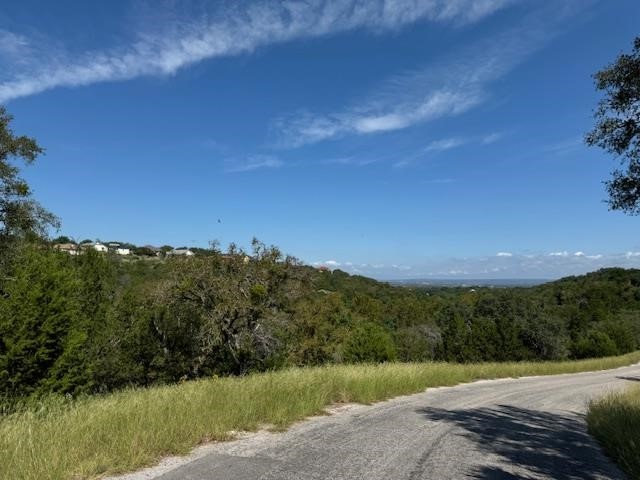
x: 615, y: 421
x: 58, y: 439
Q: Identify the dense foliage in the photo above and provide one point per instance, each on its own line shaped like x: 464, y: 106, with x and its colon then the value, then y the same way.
x: 96, y: 322
x: 617, y: 128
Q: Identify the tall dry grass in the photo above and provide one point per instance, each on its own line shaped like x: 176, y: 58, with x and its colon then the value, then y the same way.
x: 84, y: 438
x: 615, y: 421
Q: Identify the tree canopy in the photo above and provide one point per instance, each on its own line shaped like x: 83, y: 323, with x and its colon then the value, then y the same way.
x: 617, y: 128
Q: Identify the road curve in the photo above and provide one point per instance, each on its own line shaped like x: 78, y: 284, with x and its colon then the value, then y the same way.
x: 528, y: 428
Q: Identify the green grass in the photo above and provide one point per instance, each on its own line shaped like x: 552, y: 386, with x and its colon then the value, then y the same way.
x: 615, y: 421
x: 58, y: 439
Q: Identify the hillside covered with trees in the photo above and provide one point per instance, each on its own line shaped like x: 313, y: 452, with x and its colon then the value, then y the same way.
x: 97, y: 322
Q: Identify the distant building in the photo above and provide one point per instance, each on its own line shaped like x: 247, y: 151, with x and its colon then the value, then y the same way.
x: 70, y: 248
x: 99, y: 247
x: 180, y: 252
x: 123, y: 251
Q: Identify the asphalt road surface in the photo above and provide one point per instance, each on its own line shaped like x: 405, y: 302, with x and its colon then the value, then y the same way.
x: 530, y: 428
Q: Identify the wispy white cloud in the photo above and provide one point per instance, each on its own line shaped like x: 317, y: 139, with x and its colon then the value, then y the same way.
x: 460, y: 141
x: 504, y: 254
x: 436, y: 146
x: 255, y: 162
x: 491, y: 138
x: 303, y: 128
x: 456, y: 272
x: 566, y: 146
x: 577, y: 254
x: 351, y: 160
x: 445, y: 144
x: 226, y: 30
x: 13, y: 45
x: 449, y: 88
x: 215, y: 145
x: 402, y: 268
x: 438, y: 181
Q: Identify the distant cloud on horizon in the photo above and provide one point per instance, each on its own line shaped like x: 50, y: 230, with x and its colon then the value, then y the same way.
x: 502, y: 265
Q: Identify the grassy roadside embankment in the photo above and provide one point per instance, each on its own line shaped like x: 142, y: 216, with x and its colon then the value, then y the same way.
x: 57, y: 439
x: 615, y: 421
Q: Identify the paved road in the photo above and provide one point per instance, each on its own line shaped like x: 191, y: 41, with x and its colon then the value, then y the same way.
x: 529, y: 428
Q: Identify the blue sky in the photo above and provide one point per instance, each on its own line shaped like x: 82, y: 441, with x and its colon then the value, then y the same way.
x: 397, y: 139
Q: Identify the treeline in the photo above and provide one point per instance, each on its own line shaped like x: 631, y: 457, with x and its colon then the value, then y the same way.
x: 93, y: 322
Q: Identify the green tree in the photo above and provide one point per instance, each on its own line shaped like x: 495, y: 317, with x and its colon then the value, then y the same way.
x: 546, y: 338
x: 369, y: 342
x: 39, y: 310
x: 20, y: 215
x: 594, y: 344
x: 417, y: 343
x: 455, y: 321
x: 62, y: 239
x: 221, y: 313
x: 617, y: 128
x: 317, y: 329
x: 144, y: 252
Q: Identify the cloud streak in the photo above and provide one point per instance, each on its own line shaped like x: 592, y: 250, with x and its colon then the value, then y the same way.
x: 445, y: 144
x: 304, y: 128
x: 256, y: 162
x: 449, y: 88
x: 492, y: 138
x: 234, y: 29
x: 12, y: 45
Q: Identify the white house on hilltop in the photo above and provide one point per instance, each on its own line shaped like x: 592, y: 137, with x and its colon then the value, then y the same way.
x: 99, y: 247
x: 181, y: 252
x: 70, y: 248
x: 123, y: 251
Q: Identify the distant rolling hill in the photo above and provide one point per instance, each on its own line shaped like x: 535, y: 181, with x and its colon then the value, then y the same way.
x: 471, y: 282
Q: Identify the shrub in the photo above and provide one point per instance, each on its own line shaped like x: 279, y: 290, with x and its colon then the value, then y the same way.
x: 369, y: 342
